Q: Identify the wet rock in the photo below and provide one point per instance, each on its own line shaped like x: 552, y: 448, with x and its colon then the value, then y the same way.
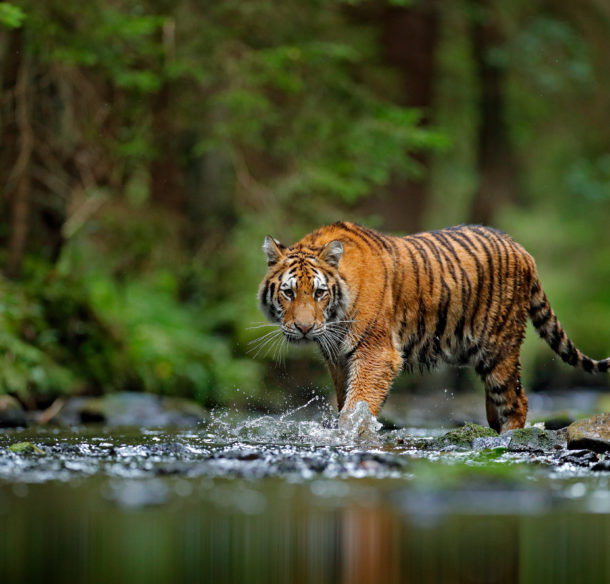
x: 240, y: 454
x: 532, y: 439
x: 289, y: 465
x: 316, y: 464
x: 25, y: 448
x: 591, y: 433
x: 579, y: 458
x: 603, y: 465
x: 135, y: 409
x: 463, y: 437
x: 11, y: 413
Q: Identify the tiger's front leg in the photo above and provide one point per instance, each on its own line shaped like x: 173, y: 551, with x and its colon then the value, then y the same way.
x: 367, y: 376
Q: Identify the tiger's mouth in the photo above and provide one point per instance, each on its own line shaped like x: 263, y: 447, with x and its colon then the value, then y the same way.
x: 302, y: 334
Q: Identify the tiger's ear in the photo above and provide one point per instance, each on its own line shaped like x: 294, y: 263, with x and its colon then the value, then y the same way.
x: 274, y: 250
x: 331, y: 253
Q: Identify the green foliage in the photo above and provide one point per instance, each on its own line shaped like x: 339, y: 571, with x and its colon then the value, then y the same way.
x: 26, y: 366
x: 274, y: 117
x: 11, y: 16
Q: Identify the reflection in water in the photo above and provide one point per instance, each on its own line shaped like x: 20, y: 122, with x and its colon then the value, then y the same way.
x: 269, y: 531
x: 288, y: 500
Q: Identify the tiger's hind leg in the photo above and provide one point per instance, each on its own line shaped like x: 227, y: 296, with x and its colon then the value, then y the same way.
x: 506, y: 404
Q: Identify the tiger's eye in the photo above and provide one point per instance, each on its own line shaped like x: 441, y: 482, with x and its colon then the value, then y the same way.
x: 319, y: 293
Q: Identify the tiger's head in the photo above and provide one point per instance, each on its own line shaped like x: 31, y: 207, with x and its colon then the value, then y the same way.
x: 303, y: 290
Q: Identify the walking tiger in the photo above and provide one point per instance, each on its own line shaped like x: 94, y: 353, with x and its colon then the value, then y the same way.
x: 376, y: 304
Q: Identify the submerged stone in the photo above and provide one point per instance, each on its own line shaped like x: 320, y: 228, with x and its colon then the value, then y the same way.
x: 25, y: 448
x: 591, y: 433
x: 11, y: 413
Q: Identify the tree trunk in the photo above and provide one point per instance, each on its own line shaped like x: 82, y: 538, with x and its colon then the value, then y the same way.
x: 18, y: 135
x: 495, y: 157
x: 410, y: 39
x: 166, y: 180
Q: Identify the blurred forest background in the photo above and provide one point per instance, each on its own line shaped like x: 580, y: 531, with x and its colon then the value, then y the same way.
x: 148, y: 146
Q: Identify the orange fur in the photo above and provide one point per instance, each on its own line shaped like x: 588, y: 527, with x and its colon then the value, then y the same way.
x: 376, y: 304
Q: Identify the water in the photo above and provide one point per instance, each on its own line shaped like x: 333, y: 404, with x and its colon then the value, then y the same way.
x: 293, y: 498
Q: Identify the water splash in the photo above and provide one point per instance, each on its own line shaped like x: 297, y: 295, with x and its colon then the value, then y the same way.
x: 359, y: 424
x: 317, y: 429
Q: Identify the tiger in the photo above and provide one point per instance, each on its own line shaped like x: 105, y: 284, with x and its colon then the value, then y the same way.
x: 377, y: 304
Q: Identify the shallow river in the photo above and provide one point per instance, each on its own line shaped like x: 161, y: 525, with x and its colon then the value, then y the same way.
x: 285, y: 499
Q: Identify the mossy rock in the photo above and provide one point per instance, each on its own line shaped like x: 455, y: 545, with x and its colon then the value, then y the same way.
x: 532, y: 439
x: 25, y: 448
x: 463, y: 437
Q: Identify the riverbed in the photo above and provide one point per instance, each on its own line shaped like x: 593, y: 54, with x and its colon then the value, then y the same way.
x: 292, y: 498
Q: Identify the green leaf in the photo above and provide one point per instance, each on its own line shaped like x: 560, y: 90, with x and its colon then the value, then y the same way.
x: 11, y: 16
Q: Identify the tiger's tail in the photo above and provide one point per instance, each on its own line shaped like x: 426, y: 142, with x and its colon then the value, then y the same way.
x: 550, y: 329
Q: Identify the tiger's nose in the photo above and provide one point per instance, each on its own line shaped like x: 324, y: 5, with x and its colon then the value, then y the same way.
x: 304, y: 328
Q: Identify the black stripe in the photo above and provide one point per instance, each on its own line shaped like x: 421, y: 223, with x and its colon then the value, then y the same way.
x: 511, y: 252
x: 458, y: 333
x: 535, y: 287
x: 490, y: 285
x: 425, y: 259
x: 570, y: 354
x: 431, y: 246
x: 442, y: 243
x: 264, y: 292
x: 464, y: 277
x: 359, y: 234
x: 416, y: 266
x: 587, y: 364
x: 363, y: 336
x: 377, y: 237
x: 441, y: 323
x: 421, y: 320
x: 542, y: 319
x: 464, y: 241
x: 423, y: 355
x: 556, y: 337
x: 485, y: 367
x: 500, y: 276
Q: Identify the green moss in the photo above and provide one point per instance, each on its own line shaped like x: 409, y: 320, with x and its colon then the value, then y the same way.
x: 463, y: 437
x: 25, y: 448
x: 532, y: 439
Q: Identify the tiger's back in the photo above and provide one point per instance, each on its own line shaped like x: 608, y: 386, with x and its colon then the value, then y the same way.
x: 460, y: 295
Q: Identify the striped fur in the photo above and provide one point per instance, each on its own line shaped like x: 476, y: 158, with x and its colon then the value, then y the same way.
x: 376, y: 304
